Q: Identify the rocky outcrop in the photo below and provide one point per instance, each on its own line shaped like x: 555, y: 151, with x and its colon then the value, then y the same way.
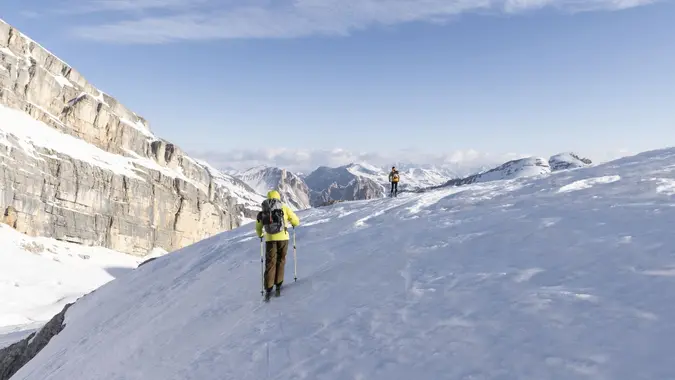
x: 14, y: 357
x: 564, y: 161
x: 293, y: 189
x: 77, y: 165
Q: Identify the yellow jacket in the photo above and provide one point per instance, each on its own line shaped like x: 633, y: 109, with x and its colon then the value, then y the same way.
x: 289, y: 216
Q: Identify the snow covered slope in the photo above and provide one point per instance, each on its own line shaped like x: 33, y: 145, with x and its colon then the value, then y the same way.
x: 570, y: 276
x: 293, y: 189
x: 524, y: 167
x: 39, y: 275
x: 568, y: 160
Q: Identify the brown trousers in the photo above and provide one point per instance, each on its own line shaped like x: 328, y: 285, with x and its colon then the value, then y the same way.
x: 275, y: 261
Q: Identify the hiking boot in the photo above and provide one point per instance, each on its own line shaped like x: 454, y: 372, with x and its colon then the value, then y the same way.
x: 268, y: 294
x: 277, y: 293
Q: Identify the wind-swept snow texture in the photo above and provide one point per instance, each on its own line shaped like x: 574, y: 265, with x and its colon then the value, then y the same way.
x: 501, y: 280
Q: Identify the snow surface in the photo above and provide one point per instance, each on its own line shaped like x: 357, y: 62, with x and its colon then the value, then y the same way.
x: 137, y: 125
x: 590, y: 182
x: 524, y: 167
x: 38, y: 276
x: 6, y: 51
x: 63, y: 81
x: 500, y: 280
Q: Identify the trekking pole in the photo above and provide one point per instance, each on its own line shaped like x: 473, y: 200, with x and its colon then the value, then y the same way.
x: 295, y: 259
x: 262, y: 271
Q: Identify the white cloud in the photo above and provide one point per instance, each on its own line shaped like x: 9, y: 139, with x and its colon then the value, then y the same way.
x: 306, y: 160
x: 211, y: 19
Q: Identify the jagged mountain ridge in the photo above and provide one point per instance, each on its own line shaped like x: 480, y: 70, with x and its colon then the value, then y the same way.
x: 342, y: 184
x: 293, y: 189
x: 324, y: 185
x: 358, y: 181
x: 523, y: 167
x: 79, y: 166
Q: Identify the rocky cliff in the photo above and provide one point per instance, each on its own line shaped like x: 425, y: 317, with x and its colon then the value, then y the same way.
x: 77, y: 165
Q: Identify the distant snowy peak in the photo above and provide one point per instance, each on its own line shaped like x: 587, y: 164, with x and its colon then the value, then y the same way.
x: 568, y: 160
x: 524, y: 167
x: 364, y: 169
x: 323, y: 177
x: 362, y: 180
x: 344, y: 183
x: 294, y: 191
x: 411, y: 176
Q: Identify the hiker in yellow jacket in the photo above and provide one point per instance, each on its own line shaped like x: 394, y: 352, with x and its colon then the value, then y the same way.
x: 393, y: 179
x: 272, y: 219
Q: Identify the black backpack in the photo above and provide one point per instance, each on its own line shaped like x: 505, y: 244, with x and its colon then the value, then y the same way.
x: 272, y: 216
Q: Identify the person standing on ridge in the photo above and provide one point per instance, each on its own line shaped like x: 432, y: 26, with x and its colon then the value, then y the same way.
x: 393, y: 179
x: 272, y: 219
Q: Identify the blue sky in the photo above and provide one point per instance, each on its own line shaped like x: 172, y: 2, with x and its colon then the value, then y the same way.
x: 312, y: 82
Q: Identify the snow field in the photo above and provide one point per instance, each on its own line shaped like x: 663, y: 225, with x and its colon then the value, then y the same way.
x: 38, y: 276
x: 502, y: 280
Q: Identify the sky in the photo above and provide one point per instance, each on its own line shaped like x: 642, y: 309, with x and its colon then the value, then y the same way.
x: 327, y: 82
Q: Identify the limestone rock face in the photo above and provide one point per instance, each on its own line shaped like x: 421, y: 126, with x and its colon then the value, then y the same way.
x: 77, y: 165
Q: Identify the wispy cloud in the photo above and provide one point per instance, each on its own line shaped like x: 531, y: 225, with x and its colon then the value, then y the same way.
x: 306, y: 160
x: 179, y: 20
x: 130, y: 6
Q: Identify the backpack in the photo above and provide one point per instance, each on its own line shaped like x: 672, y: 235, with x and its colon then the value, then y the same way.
x: 272, y: 216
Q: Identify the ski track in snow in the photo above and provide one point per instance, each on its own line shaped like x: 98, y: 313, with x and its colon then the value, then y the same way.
x: 508, y: 280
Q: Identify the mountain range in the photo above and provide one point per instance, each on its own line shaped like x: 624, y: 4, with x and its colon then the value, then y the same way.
x: 360, y: 181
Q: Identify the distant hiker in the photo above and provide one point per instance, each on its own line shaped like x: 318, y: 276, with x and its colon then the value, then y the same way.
x: 393, y: 178
x: 273, y: 219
